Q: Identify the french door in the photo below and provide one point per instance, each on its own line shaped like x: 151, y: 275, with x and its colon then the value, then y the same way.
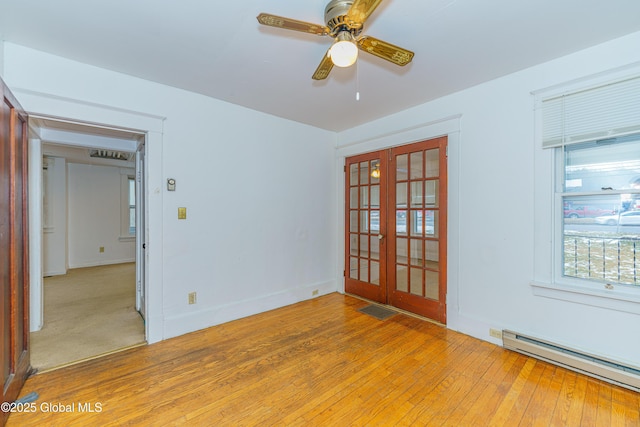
x: 396, y: 233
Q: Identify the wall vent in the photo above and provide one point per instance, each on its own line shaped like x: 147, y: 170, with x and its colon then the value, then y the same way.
x: 109, y: 154
x: 598, y: 367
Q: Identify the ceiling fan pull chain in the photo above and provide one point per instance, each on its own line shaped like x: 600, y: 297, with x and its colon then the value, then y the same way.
x: 357, y: 82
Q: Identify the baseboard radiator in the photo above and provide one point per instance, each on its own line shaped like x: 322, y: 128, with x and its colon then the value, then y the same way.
x: 594, y: 366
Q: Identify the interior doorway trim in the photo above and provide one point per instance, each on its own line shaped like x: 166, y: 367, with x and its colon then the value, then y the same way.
x: 368, y: 140
x: 78, y: 111
x: 397, y: 226
x: 62, y: 133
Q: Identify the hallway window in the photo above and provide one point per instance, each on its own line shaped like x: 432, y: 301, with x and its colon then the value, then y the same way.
x: 127, y: 205
x: 47, y: 182
x: 132, y: 205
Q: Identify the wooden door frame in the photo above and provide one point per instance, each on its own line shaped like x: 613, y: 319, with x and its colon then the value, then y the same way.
x: 386, y: 155
x: 17, y: 317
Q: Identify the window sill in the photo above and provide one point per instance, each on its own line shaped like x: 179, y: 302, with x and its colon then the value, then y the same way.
x: 621, y: 298
x: 127, y: 238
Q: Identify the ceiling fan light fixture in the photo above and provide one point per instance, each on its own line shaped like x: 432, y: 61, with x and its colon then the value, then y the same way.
x: 344, y: 51
x: 344, y: 23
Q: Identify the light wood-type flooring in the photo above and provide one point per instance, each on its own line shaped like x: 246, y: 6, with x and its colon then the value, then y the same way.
x: 323, y: 363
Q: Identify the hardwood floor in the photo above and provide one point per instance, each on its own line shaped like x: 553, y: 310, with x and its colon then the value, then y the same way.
x: 321, y: 362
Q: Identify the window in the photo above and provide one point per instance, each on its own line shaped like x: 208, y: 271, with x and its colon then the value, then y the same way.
x: 132, y: 205
x: 599, y: 195
x: 127, y: 205
x: 587, y: 191
x: 48, y: 164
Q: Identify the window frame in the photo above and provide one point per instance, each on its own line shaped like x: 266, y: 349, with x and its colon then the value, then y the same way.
x: 126, y: 175
x: 549, y: 280
x: 48, y: 165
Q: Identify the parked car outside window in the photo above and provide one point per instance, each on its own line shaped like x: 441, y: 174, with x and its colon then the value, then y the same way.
x: 586, y: 212
x: 625, y: 218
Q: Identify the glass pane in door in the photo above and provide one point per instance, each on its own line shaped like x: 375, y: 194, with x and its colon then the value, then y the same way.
x: 353, y: 175
x: 416, y: 165
x: 375, y: 273
x: 402, y: 167
x: 402, y: 278
x: 353, y: 221
x: 432, y: 284
x: 353, y: 268
x: 432, y: 164
x: 353, y: 199
x: 364, y: 173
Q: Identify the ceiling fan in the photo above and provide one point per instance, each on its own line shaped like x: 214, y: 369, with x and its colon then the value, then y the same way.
x: 345, y: 20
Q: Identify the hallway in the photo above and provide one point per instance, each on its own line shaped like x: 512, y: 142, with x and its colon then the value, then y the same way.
x: 88, y: 312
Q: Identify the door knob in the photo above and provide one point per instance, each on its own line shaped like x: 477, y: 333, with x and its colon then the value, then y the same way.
x: 380, y: 237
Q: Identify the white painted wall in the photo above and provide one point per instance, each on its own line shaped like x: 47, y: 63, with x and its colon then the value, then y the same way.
x: 265, y: 202
x: 54, y: 236
x: 94, y: 208
x: 1, y: 56
x: 259, y: 191
x: 492, y: 222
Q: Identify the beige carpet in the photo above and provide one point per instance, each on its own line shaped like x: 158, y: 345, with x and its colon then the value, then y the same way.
x: 87, y: 312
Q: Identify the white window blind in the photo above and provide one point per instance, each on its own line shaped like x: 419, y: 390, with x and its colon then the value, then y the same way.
x: 601, y: 112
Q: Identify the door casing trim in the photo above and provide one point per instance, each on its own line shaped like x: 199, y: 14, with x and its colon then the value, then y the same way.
x: 449, y: 126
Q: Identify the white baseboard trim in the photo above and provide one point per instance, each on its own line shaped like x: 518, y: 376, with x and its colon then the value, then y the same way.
x: 179, y: 324
x: 477, y: 328
x: 99, y: 263
x: 54, y: 273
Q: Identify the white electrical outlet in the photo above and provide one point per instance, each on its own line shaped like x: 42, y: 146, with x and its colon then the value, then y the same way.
x: 496, y: 333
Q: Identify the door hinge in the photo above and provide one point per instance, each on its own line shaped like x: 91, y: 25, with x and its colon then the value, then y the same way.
x: 344, y: 273
x: 344, y: 169
x: 446, y: 151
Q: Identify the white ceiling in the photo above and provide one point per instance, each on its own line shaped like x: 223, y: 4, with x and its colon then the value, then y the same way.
x: 217, y: 48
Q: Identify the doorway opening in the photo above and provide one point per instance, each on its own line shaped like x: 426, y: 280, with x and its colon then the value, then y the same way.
x: 91, y: 296
x: 396, y: 227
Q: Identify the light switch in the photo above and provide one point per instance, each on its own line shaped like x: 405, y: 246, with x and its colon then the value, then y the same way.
x: 182, y: 213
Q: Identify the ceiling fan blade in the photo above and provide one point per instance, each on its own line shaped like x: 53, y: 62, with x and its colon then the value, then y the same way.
x: 360, y: 11
x: 384, y: 50
x: 323, y: 70
x: 292, y: 24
